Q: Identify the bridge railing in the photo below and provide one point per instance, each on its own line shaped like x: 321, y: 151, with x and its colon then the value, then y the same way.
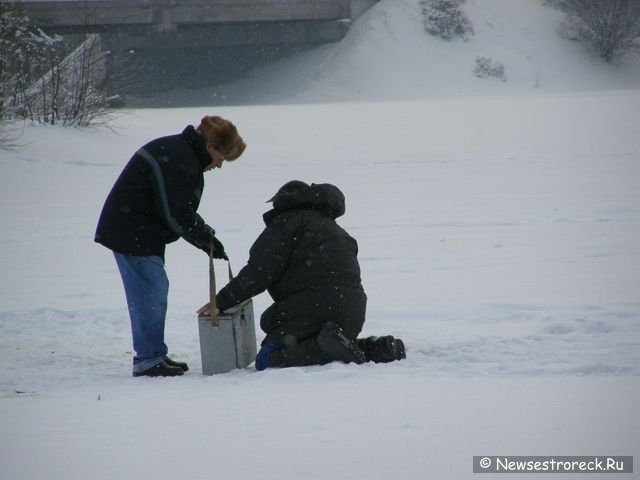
x: 170, y: 14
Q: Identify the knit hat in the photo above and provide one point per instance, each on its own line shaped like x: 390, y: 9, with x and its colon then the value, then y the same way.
x: 223, y: 135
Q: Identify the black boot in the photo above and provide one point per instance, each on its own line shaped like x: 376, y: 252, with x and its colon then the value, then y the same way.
x: 160, y: 370
x: 337, y: 346
x: 172, y: 363
x: 382, y: 349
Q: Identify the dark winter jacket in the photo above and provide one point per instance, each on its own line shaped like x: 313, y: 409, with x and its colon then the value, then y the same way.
x: 309, y: 265
x: 154, y: 201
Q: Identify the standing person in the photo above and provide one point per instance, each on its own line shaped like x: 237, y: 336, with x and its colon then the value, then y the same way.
x: 309, y: 265
x: 154, y: 202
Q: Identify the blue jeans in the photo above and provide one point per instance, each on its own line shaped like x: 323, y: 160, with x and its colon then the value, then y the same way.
x: 146, y: 286
x: 263, y: 359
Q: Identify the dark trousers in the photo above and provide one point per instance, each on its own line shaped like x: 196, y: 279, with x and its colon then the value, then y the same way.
x: 293, y: 320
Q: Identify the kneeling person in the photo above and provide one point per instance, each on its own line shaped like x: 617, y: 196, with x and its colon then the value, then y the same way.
x: 309, y: 266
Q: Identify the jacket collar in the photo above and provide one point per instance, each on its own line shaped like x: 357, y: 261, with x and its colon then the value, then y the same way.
x: 193, y: 138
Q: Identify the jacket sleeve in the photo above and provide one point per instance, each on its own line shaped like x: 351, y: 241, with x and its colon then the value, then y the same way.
x: 268, y: 260
x: 184, y: 199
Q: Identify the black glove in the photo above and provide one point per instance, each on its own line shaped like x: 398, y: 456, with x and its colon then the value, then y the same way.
x: 218, y: 248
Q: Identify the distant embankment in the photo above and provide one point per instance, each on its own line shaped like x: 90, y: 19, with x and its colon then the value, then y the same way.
x: 158, y: 44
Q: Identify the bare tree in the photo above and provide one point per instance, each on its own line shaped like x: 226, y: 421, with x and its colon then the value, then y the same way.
x: 610, y: 28
x: 48, y: 79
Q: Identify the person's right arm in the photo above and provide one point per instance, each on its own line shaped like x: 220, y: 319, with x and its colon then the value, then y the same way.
x: 268, y: 260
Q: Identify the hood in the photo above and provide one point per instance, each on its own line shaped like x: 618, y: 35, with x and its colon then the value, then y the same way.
x: 324, y: 197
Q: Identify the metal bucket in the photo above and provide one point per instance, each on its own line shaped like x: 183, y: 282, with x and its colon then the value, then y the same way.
x: 231, y: 344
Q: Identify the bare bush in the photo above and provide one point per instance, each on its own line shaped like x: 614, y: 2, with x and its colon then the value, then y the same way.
x: 445, y: 19
x: 8, y: 135
x: 486, y: 67
x: 68, y: 92
x: 611, y: 28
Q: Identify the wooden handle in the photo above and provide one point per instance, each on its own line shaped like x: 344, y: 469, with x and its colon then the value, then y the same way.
x: 213, y: 308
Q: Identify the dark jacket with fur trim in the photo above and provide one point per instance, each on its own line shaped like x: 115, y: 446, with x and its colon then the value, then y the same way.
x: 309, y: 265
x: 155, y: 199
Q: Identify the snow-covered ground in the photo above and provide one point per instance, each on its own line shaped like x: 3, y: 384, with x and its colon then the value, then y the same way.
x: 499, y: 233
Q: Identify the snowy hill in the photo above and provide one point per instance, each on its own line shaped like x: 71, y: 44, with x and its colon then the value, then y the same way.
x: 387, y: 55
x: 499, y: 235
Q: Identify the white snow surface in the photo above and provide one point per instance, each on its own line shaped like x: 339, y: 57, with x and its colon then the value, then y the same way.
x: 499, y: 234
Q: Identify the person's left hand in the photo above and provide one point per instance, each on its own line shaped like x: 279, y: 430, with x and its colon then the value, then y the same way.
x: 217, y: 249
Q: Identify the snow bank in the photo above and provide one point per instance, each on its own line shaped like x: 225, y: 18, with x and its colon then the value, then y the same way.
x: 387, y: 55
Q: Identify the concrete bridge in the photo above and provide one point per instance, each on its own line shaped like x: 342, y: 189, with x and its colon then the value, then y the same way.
x: 157, y: 44
x: 226, y: 22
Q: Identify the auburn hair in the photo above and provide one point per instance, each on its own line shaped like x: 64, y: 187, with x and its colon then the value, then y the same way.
x: 223, y: 135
